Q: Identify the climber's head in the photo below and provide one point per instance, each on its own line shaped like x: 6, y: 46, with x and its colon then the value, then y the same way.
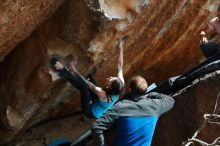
x: 114, y: 85
x: 138, y: 85
x: 56, y: 64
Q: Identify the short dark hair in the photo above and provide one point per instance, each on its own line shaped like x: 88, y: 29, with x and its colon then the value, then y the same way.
x: 138, y: 85
x: 116, y: 86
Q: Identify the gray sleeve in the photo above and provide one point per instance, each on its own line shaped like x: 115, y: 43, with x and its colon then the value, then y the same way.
x: 104, y: 123
x: 163, y: 102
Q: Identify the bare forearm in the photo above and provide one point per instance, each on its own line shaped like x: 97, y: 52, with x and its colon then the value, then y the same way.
x: 120, y: 59
x: 120, y: 62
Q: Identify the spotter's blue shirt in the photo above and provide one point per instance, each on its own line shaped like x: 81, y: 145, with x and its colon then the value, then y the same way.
x: 135, y: 131
x: 135, y: 119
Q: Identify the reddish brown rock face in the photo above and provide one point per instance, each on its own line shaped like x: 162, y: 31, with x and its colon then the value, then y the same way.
x: 19, y: 18
x: 187, y: 115
x: 121, y: 9
x: 163, y: 41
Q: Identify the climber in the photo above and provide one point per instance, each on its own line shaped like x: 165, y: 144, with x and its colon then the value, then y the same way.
x: 208, y: 47
x: 135, y: 117
x: 95, y: 101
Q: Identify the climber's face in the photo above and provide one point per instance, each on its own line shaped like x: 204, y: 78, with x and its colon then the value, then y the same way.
x: 58, y: 66
x: 110, y: 80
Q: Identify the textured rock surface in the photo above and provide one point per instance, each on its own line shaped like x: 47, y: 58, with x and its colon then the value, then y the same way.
x: 18, y: 18
x: 68, y: 127
x: 187, y: 115
x: 163, y: 42
x: 30, y: 94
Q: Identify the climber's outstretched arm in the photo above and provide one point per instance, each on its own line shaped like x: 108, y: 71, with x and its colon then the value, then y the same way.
x: 120, y: 60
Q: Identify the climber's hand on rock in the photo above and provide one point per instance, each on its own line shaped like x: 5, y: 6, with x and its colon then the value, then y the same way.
x: 204, y: 40
x: 202, y: 33
x: 121, y: 43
